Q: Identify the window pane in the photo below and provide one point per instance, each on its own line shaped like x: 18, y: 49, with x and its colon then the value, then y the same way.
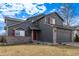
x: 22, y: 33
x: 53, y: 21
x: 17, y: 33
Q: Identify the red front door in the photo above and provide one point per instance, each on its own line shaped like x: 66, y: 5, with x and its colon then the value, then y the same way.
x: 35, y: 35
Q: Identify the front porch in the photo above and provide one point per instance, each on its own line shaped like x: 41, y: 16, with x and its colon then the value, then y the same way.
x: 35, y: 34
x: 20, y: 35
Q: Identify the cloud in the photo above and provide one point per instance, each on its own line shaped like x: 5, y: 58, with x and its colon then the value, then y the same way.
x: 41, y: 8
x: 11, y: 9
x: 3, y: 32
x: 75, y: 20
x: 62, y: 7
x: 17, y: 6
x: 33, y: 8
x: 53, y: 10
x: 1, y: 18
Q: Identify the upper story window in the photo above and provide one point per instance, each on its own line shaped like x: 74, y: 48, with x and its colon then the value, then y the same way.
x: 53, y: 20
x: 50, y: 20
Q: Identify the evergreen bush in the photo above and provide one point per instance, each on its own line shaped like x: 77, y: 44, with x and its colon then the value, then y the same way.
x: 76, y: 38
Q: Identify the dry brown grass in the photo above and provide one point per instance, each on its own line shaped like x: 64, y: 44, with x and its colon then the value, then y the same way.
x: 37, y: 50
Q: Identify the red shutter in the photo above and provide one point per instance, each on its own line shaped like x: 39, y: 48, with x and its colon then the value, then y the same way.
x: 25, y: 33
x: 48, y: 20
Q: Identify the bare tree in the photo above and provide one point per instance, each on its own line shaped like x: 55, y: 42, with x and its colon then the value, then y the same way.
x: 67, y: 12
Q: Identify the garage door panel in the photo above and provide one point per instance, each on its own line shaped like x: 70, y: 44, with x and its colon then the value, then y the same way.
x: 63, y: 35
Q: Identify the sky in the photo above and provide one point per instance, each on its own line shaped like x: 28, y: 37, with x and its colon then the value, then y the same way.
x: 25, y: 10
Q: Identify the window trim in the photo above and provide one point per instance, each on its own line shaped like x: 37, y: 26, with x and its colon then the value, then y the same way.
x: 20, y: 32
x: 51, y: 21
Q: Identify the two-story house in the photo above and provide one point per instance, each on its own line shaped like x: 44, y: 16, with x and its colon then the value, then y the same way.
x: 44, y: 28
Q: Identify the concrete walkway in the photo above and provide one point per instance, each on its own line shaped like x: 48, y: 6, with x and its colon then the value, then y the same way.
x: 76, y: 44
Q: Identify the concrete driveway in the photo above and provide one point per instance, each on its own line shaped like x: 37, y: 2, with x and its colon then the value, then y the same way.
x: 76, y: 44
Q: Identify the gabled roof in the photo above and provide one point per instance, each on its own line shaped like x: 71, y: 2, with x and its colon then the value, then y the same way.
x: 32, y: 19
x: 28, y: 20
x: 57, y: 15
x: 35, y: 18
x: 13, y: 19
x: 42, y: 16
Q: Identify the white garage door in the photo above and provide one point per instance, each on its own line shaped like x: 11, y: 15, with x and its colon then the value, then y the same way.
x: 63, y: 35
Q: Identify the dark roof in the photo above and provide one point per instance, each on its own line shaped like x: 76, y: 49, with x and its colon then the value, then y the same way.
x: 38, y: 19
x: 42, y: 16
x: 35, y: 18
x: 27, y: 22
x: 13, y: 19
x: 57, y: 15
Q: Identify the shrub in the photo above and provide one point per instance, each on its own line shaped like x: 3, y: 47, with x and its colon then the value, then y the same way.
x: 76, y: 38
x: 2, y: 39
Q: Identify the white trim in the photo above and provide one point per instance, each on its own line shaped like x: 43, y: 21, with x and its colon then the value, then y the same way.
x: 54, y: 35
x: 73, y: 36
x: 53, y: 20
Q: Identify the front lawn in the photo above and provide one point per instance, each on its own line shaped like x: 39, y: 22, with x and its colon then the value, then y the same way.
x: 36, y: 50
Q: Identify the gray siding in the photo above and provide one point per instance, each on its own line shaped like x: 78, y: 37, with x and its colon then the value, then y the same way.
x: 58, y: 20
x: 10, y: 32
x: 46, y: 33
x: 64, y: 35
x: 22, y: 26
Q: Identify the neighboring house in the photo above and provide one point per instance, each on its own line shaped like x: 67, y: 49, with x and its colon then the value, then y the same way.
x: 44, y: 28
x: 76, y: 30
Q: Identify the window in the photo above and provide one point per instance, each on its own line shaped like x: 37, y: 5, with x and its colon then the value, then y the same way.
x: 19, y: 33
x: 53, y: 21
x: 47, y: 20
x: 50, y: 20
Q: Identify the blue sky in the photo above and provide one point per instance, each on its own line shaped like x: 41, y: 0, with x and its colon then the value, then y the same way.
x: 25, y: 10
